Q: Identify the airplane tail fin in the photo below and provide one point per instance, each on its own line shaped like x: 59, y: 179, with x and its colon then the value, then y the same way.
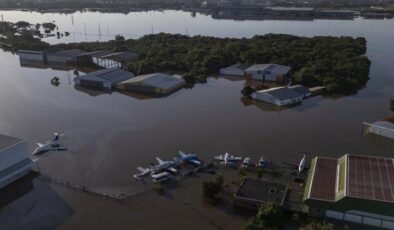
x: 57, y: 136
x: 182, y: 154
x: 159, y: 160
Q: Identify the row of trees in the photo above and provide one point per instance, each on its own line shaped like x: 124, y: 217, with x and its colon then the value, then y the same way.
x: 271, y: 216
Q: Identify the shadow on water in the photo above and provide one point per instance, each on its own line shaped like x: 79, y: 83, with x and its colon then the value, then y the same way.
x: 32, y: 204
x: 17, y: 189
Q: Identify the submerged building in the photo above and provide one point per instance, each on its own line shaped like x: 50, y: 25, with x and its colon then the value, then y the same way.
x: 234, y: 70
x: 103, y: 79
x: 14, y: 159
x: 279, y: 96
x: 267, y: 72
x: 156, y: 83
x: 354, y: 188
x: 254, y: 193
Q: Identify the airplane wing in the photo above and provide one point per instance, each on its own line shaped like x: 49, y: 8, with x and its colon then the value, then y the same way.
x: 182, y: 154
x: 40, y: 145
x: 140, y: 169
x: 159, y: 160
x: 195, y: 161
x: 218, y: 158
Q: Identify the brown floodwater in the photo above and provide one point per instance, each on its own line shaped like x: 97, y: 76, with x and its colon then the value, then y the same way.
x: 109, y: 135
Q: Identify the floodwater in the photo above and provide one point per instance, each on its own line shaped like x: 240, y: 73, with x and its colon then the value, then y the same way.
x: 109, y: 135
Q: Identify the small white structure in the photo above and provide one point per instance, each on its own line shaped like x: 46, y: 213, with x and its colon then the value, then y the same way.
x: 278, y: 96
x: 104, y: 79
x: 14, y: 159
x: 267, y: 72
x: 156, y: 83
x: 234, y: 70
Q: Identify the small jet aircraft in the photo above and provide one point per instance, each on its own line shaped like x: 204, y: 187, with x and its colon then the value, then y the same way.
x: 143, y: 172
x: 164, y: 165
x: 227, y: 159
x: 49, y: 146
x: 301, y: 166
x: 189, y: 158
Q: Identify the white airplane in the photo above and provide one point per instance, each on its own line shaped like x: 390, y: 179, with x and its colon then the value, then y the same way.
x: 301, y: 166
x: 143, y: 172
x: 246, y: 162
x: 227, y: 159
x: 49, y: 146
x: 190, y: 158
x: 164, y: 165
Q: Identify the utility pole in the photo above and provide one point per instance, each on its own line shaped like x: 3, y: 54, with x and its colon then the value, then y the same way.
x: 86, y: 36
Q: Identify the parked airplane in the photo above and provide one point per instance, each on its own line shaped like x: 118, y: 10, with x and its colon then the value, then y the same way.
x: 189, y: 158
x: 143, y: 172
x: 301, y: 166
x: 227, y: 159
x: 262, y: 162
x: 49, y: 146
x: 246, y: 163
x: 164, y: 165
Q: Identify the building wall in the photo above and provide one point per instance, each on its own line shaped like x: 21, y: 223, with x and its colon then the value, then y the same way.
x: 4, y: 181
x: 263, y: 76
x: 13, y: 155
x: 265, y: 98
x: 231, y: 72
x: 35, y: 56
x: 56, y: 59
x: 87, y: 83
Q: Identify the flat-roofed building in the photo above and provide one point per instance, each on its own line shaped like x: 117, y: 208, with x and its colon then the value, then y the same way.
x: 14, y: 159
x: 253, y: 193
x: 267, y: 72
x: 355, y: 188
x: 156, y: 83
x: 104, y: 79
x: 278, y: 96
x: 64, y: 57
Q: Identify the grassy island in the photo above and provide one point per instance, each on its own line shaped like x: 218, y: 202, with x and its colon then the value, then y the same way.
x: 338, y: 63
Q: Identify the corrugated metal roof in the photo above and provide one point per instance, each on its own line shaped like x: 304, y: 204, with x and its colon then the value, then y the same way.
x: 281, y: 93
x: 99, y: 53
x: 122, y: 56
x: 278, y: 69
x: 69, y: 53
x: 158, y: 80
x: 113, y: 75
x: 300, y: 89
x: 237, y: 66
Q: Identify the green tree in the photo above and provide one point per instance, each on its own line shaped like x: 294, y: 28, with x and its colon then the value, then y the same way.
x: 269, y: 216
x: 314, y: 225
